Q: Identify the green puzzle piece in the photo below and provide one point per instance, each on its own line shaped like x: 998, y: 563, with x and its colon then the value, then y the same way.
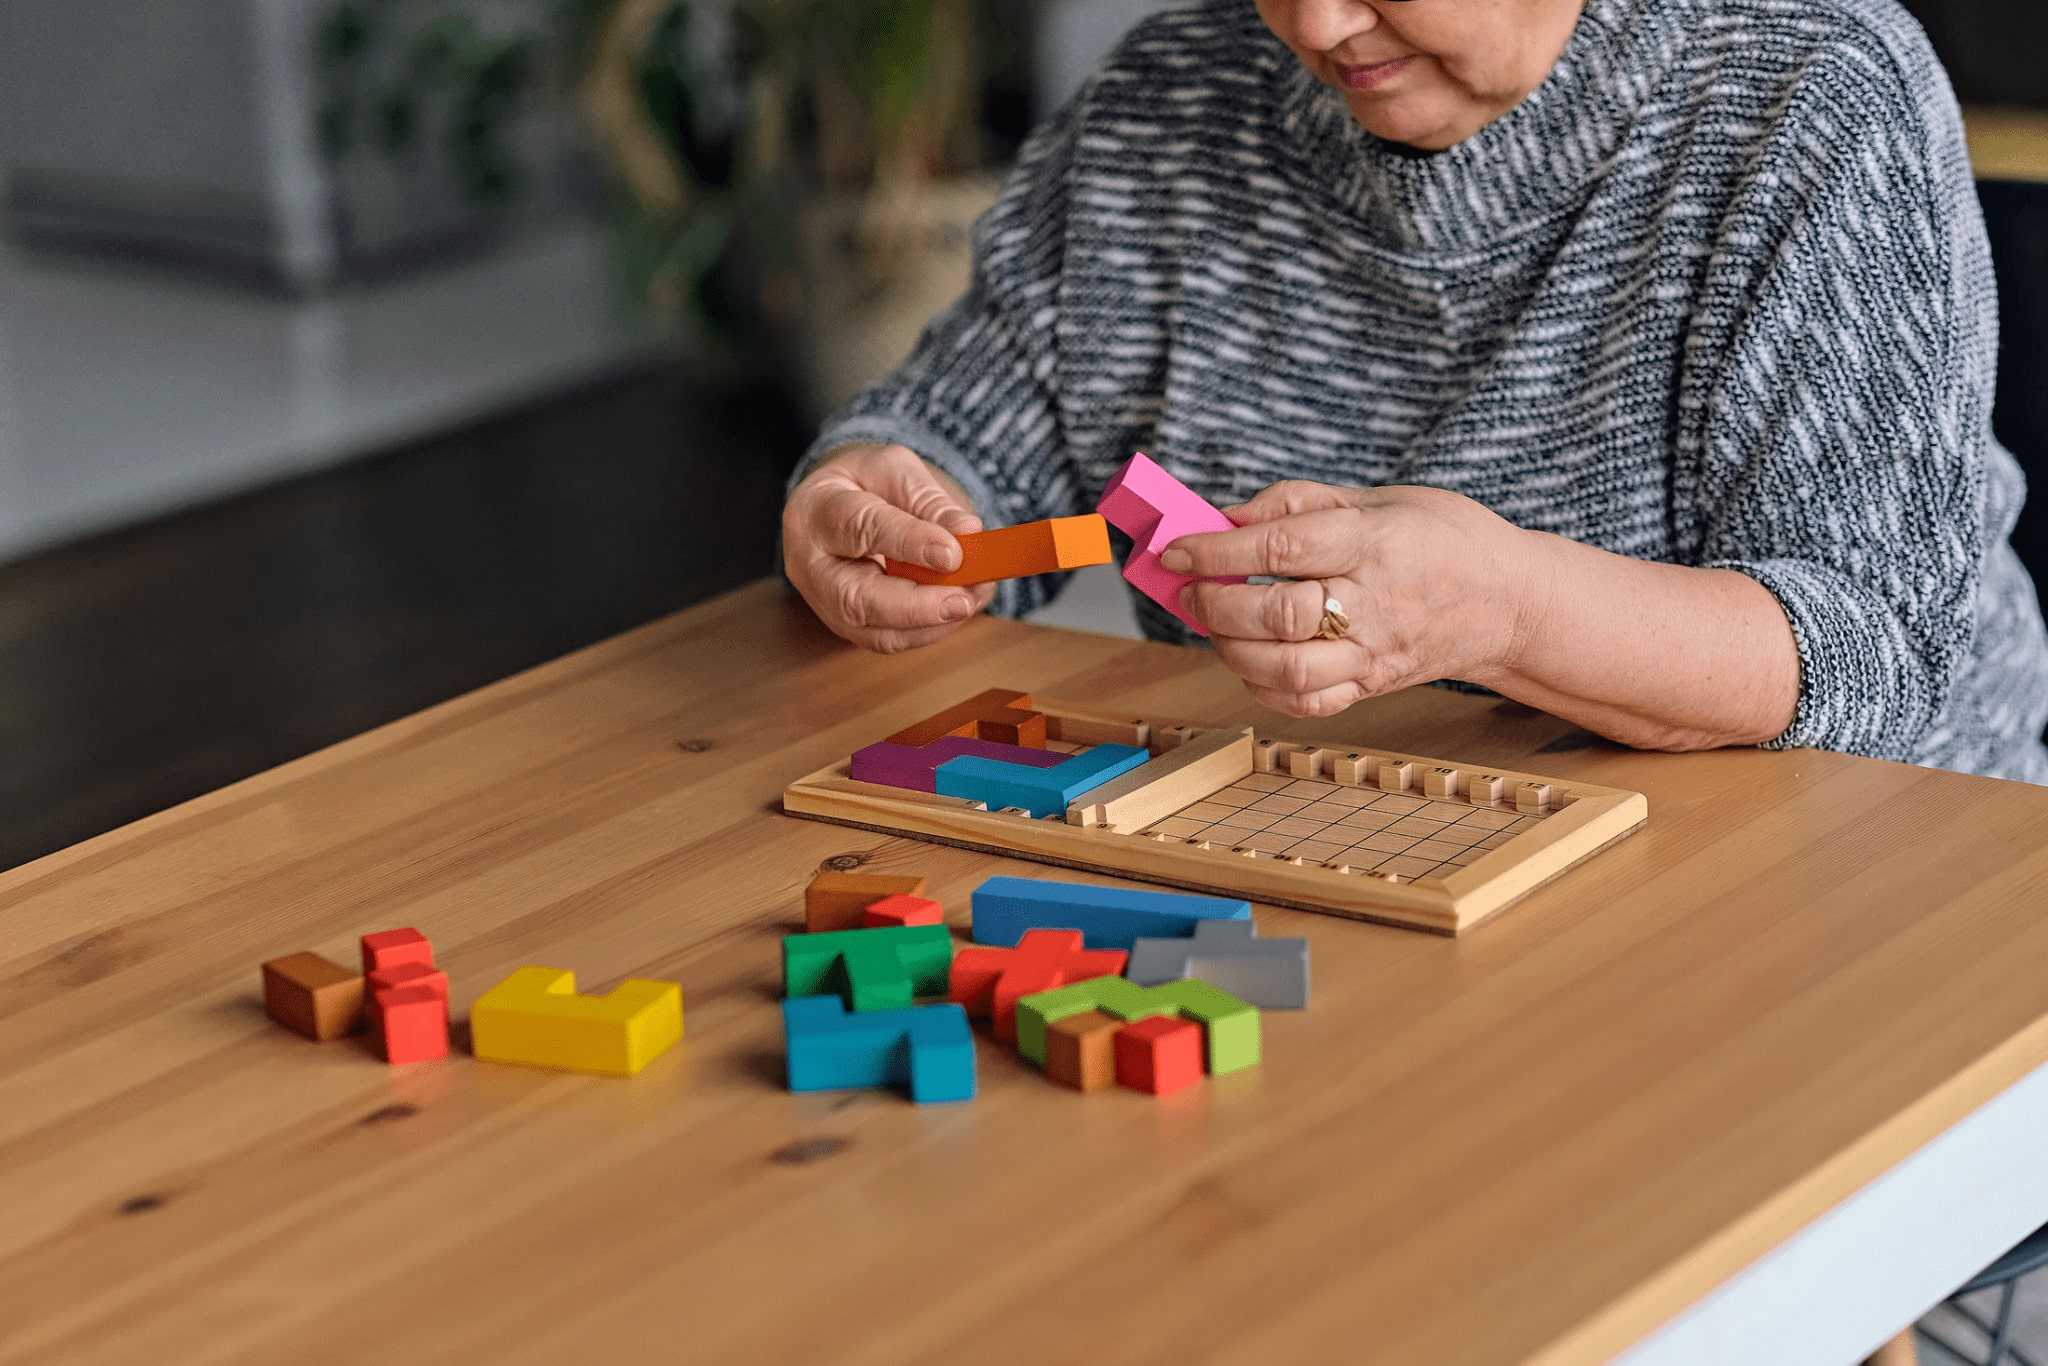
x: 1231, y: 1027
x: 880, y: 969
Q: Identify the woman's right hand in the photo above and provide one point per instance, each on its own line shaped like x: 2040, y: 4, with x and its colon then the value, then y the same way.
x: 862, y: 504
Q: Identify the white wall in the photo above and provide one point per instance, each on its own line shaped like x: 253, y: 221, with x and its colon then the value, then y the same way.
x: 1076, y: 34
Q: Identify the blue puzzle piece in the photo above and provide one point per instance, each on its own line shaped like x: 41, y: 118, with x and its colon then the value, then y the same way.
x: 1041, y: 791
x: 928, y: 1048
x: 1108, y: 917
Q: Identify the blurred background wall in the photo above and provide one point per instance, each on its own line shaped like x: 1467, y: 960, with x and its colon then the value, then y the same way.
x: 354, y: 353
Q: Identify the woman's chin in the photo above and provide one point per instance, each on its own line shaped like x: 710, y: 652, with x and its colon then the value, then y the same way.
x: 1415, y: 121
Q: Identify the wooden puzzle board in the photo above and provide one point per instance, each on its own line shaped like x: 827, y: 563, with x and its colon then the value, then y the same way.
x: 1369, y: 834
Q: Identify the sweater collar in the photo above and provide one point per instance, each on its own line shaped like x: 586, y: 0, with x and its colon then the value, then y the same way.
x: 1538, y: 159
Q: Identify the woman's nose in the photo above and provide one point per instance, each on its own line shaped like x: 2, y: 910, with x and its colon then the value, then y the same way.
x: 1323, y: 25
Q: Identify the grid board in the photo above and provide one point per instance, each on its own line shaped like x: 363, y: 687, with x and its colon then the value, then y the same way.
x: 1424, y: 854
x: 1394, y: 834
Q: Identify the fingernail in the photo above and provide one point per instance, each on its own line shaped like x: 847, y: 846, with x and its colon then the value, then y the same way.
x: 959, y: 609
x: 945, y: 558
x: 1177, y: 561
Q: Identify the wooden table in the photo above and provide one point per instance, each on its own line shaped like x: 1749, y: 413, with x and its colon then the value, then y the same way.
x: 1539, y: 1142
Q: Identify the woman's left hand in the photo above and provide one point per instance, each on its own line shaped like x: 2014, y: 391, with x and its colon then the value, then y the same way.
x: 1434, y: 584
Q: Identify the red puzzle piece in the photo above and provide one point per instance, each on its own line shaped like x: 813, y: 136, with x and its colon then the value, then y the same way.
x: 407, y: 975
x: 990, y: 981
x: 389, y: 948
x: 1161, y: 1055
x: 902, y: 910
x: 411, y: 1024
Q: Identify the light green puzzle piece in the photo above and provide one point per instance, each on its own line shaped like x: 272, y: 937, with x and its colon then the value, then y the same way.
x: 1230, y: 1027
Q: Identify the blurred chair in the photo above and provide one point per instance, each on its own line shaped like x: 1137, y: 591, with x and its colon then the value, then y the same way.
x: 2004, y: 1276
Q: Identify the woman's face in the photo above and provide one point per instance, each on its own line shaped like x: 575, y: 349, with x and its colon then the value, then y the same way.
x: 1429, y: 73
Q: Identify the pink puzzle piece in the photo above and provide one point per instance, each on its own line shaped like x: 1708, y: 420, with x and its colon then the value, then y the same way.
x: 1155, y: 509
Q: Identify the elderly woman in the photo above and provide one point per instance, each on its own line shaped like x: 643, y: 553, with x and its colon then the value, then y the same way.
x: 1630, y: 358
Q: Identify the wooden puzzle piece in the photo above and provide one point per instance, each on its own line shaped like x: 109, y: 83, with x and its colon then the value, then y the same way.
x: 900, y: 911
x: 1080, y: 1050
x: 406, y: 975
x: 1271, y: 974
x: 536, y: 1018
x: 990, y: 981
x: 872, y: 969
x: 1160, y: 1055
x: 1155, y: 509
x: 1041, y: 791
x: 388, y: 948
x: 1108, y: 917
x: 313, y: 995
x: 928, y: 1048
x: 1230, y: 1026
x: 410, y: 1023
x: 916, y: 769
x: 838, y: 901
x: 1016, y: 552
x: 997, y: 714
x: 1176, y: 779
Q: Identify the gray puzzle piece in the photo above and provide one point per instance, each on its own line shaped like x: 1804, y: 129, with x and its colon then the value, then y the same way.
x: 1271, y: 974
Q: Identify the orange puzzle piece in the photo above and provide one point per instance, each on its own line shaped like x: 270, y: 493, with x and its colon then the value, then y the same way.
x: 999, y: 714
x: 1016, y: 552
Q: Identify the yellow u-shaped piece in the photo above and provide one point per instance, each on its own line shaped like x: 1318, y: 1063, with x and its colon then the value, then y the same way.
x: 534, y: 1017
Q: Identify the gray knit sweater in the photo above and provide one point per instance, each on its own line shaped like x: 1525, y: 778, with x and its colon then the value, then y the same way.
x: 1716, y: 294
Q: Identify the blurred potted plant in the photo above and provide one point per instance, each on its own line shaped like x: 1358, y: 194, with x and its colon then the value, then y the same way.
x: 811, y: 166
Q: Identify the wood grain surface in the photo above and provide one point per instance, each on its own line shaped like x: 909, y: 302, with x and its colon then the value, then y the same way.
x: 1536, y: 1142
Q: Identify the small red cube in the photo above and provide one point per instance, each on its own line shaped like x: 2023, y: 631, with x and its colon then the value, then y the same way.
x: 892, y: 911
x: 411, y: 1024
x: 1160, y: 1054
x: 407, y: 975
x: 392, y: 947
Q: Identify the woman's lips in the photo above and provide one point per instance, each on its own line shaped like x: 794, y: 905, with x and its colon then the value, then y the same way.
x: 1372, y: 76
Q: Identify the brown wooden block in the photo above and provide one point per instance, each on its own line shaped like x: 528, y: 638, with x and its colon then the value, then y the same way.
x: 998, y: 714
x: 312, y: 995
x: 1483, y: 789
x: 1352, y: 768
x: 1270, y: 756
x: 1532, y: 797
x: 834, y: 901
x: 1080, y: 1050
x: 1440, y: 782
x: 1395, y: 775
x: 1309, y: 763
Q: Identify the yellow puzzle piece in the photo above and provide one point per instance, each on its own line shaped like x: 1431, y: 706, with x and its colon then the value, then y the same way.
x: 535, y: 1017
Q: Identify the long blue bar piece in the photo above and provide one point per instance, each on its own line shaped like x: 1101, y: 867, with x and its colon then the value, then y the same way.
x: 1107, y: 917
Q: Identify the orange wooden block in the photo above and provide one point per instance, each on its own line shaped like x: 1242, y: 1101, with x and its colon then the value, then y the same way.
x: 902, y: 910
x: 312, y: 995
x: 998, y: 714
x: 391, y: 947
x: 1080, y: 1050
x: 839, y: 901
x: 1016, y: 552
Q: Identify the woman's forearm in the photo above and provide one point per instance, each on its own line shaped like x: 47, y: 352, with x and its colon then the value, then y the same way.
x: 1655, y: 656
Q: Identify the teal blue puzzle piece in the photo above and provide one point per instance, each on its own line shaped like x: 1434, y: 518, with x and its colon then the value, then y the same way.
x: 1107, y: 917
x: 928, y: 1048
x: 1041, y: 791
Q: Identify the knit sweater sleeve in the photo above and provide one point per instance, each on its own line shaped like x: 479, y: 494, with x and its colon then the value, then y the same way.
x: 1846, y: 427
x: 977, y: 396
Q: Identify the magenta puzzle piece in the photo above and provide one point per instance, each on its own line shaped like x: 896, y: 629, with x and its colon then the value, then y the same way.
x: 1155, y: 509
x: 915, y: 766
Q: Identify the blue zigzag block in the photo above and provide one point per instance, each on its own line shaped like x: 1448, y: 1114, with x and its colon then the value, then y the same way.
x: 1107, y: 917
x: 1041, y: 791
x: 928, y: 1048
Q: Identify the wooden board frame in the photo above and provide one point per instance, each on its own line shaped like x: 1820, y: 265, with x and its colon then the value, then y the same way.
x: 1591, y: 818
